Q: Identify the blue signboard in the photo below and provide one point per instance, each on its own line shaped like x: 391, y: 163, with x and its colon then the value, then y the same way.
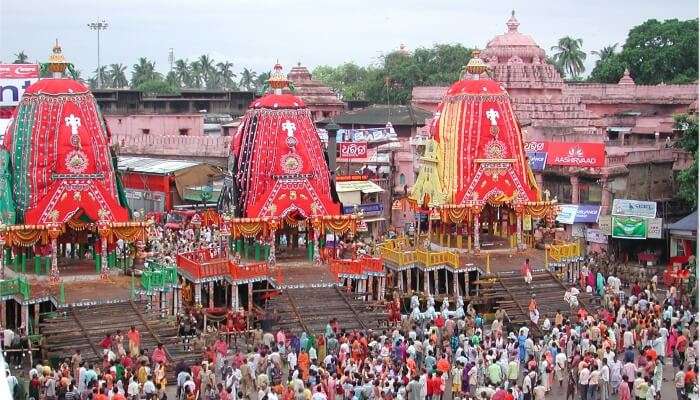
x: 369, y: 208
x: 537, y: 160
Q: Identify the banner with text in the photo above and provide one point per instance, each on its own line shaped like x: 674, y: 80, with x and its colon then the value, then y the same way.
x: 605, y: 224
x: 629, y: 227
x: 353, y: 149
x: 634, y: 208
x: 655, y: 228
x: 596, y: 236
x: 575, y: 154
x: 14, y: 79
x: 537, y: 160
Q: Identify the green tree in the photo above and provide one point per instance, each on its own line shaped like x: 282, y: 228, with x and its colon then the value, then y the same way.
x: 102, y: 76
x: 688, y: 179
x: 261, y: 81
x: 157, y: 86
x: 184, y: 73
x: 197, y: 73
x: 172, y: 79
x: 609, y: 70
x: 348, y: 79
x: 226, y: 75
x: 207, y: 71
x: 117, y: 74
x: 605, y: 52
x: 569, y: 56
x: 21, y: 58
x: 144, y: 70
x: 655, y: 52
x: 247, y: 81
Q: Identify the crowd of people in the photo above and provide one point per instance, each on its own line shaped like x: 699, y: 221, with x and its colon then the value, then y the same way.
x: 617, y: 347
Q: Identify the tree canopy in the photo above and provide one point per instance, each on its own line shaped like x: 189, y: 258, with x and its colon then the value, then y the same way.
x: 392, y: 78
x: 688, y: 179
x: 655, y: 52
x: 569, y: 56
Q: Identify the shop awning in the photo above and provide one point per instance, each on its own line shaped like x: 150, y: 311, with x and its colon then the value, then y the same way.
x: 358, y: 186
x: 687, y: 223
x: 578, y: 214
x: 622, y: 129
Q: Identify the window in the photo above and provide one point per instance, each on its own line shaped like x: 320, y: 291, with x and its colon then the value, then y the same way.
x: 184, y: 131
x: 145, y: 131
x: 402, y: 179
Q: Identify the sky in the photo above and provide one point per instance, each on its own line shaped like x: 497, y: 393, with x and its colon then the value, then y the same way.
x: 257, y: 33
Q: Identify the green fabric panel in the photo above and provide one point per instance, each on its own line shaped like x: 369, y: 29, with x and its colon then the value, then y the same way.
x: 21, y: 148
x: 7, y: 203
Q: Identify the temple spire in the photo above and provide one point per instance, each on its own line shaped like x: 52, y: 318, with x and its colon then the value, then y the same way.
x: 277, y: 79
x: 512, y: 23
x: 57, y: 62
x: 475, y: 67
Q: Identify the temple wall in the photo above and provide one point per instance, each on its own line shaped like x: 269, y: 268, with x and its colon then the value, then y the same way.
x: 192, y: 146
x: 156, y: 124
x: 611, y: 92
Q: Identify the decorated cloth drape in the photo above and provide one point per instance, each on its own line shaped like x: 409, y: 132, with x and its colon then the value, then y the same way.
x: 248, y: 227
x: 60, y: 158
x: 280, y: 163
x: 25, y: 236
x: 454, y: 214
x: 476, y: 150
x: 127, y: 233
x: 339, y: 224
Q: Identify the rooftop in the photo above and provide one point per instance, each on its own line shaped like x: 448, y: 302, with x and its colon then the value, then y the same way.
x: 157, y: 166
x: 379, y: 115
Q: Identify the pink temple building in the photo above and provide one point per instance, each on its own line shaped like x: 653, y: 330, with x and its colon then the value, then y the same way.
x: 320, y: 100
x: 632, y: 121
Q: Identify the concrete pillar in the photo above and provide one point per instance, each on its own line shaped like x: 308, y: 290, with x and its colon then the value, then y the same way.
x: 477, y: 232
x: 163, y: 304
x: 606, y: 197
x: 519, y: 231
x: 399, y: 280
x: 250, y: 297
x: 210, y: 290
x: 235, y: 301
x: 575, y: 198
x: 436, y: 276
x: 36, y: 318
x: 409, y: 279
x: 25, y: 318
x: 3, y: 313
x: 198, y: 294
x: 175, y: 302
x: 426, y: 282
x: 455, y: 284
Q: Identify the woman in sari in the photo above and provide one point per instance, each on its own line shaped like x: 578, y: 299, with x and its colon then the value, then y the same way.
x: 304, y: 364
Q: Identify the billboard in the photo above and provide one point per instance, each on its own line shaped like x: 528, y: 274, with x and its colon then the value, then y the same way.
x: 634, y: 208
x: 353, y: 149
x: 629, y: 227
x: 576, y: 154
x: 14, y: 80
x: 537, y: 160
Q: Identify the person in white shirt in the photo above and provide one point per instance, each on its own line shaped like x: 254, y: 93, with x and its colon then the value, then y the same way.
x: 604, y: 380
x: 593, y: 381
x: 584, y: 374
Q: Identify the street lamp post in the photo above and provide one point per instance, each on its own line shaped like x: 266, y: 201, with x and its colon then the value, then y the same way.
x: 98, y: 25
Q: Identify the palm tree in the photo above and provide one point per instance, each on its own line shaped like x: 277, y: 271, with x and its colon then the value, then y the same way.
x: 183, y: 72
x: 570, y: 56
x: 226, y: 75
x: 207, y: 70
x: 605, y: 52
x: 144, y: 70
x: 118, y: 74
x: 21, y: 58
x: 248, y: 78
x: 197, y: 74
x: 102, y: 77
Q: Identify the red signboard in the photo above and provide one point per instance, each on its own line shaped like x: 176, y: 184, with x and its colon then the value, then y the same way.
x: 575, y: 154
x: 346, y: 178
x: 14, y: 79
x: 535, y: 147
x: 18, y: 71
x: 353, y: 149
